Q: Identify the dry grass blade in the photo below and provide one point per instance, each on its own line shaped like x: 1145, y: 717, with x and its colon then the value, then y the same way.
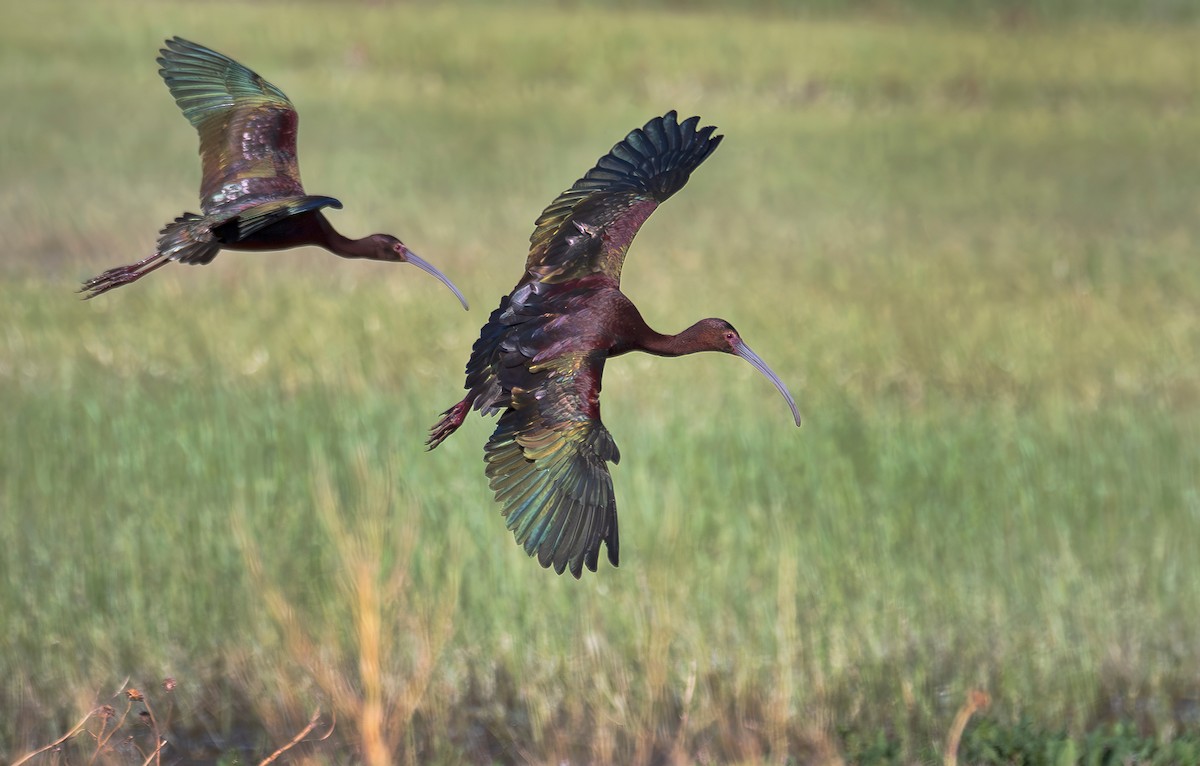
x: 295, y: 637
x: 976, y: 700
x: 679, y: 753
x: 787, y: 641
x: 397, y: 633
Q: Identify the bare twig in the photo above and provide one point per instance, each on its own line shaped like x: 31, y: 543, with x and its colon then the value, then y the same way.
x: 332, y: 726
x: 155, y: 754
x: 312, y: 724
x: 157, y: 737
x: 74, y: 730
x: 101, y: 740
x: 976, y: 700
x: 104, y: 713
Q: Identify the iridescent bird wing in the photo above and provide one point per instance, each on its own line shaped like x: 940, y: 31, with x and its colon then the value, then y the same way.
x: 588, y: 228
x: 257, y: 216
x: 247, y: 126
x: 547, y: 462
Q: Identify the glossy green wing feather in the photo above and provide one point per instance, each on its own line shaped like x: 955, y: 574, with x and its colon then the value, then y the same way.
x: 205, y: 82
x: 589, y: 227
x: 247, y: 126
x: 547, y: 465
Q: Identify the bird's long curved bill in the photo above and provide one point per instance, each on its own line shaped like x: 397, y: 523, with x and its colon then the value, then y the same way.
x: 429, y: 268
x: 744, y: 352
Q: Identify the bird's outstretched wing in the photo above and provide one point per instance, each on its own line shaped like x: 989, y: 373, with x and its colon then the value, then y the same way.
x: 247, y: 126
x: 253, y: 219
x: 547, y: 463
x: 588, y: 228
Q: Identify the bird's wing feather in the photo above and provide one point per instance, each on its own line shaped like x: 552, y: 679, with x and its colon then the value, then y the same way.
x: 254, y: 219
x: 588, y: 228
x: 547, y: 462
x: 247, y: 126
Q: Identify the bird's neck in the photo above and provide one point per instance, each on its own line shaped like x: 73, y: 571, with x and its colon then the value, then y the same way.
x: 656, y: 343
x: 631, y: 333
x: 342, y: 245
x: 353, y: 248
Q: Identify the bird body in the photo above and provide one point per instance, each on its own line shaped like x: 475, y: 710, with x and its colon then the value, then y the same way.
x: 540, y: 358
x: 251, y: 197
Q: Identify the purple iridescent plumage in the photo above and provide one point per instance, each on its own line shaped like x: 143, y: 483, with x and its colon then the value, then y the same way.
x: 540, y: 357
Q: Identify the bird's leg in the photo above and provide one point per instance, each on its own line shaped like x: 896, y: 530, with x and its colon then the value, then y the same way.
x: 450, y: 421
x: 122, y: 275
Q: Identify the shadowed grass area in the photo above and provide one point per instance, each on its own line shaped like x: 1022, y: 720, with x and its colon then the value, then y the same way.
x: 968, y: 248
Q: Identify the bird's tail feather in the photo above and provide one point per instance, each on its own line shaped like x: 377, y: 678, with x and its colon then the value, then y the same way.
x: 188, y: 239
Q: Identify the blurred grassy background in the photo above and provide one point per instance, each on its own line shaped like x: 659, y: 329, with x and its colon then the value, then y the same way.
x: 966, y: 238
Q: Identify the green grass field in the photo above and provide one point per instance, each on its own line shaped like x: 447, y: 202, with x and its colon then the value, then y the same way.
x: 968, y: 243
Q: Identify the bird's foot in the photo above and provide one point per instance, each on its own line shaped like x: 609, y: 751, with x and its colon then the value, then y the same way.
x: 119, y: 276
x: 450, y: 421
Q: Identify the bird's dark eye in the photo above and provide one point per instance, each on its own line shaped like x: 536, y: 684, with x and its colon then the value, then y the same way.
x: 730, y: 336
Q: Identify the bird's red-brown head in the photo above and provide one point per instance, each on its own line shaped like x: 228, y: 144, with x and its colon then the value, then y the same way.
x: 718, y: 335
x: 388, y: 248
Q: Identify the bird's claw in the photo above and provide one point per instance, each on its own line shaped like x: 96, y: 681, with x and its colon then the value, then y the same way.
x: 119, y: 276
x: 109, y: 280
x: 450, y: 421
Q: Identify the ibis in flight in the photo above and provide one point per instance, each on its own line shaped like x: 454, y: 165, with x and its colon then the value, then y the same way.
x: 539, y: 359
x: 250, y: 191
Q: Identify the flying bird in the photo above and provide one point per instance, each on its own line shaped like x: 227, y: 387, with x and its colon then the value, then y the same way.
x: 539, y: 359
x: 250, y: 192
